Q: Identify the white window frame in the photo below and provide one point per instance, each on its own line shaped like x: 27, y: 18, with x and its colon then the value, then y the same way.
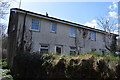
x: 72, y: 49
x: 44, y: 47
x: 52, y: 26
x: 38, y: 25
x: 59, y: 47
x: 93, y: 36
x: 72, y: 33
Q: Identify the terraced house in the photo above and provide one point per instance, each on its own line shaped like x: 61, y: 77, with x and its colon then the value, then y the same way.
x: 33, y: 32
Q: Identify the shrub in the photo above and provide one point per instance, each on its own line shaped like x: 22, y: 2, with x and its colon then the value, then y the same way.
x: 64, y: 67
x: 4, y: 71
x: 4, y: 64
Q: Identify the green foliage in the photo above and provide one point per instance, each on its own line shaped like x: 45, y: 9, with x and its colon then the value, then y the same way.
x: 5, y: 71
x: 107, y: 56
x: 4, y: 63
x: 112, y: 57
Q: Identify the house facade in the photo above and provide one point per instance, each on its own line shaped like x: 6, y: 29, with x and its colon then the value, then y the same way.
x: 32, y: 32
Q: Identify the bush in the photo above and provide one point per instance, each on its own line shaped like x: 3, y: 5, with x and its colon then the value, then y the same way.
x: 4, y: 64
x: 63, y: 67
x: 4, y: 71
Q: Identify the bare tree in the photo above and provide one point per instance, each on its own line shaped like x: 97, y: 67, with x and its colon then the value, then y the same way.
x: 4, y: 6
x: 108, y: 24
x: 4, y: 10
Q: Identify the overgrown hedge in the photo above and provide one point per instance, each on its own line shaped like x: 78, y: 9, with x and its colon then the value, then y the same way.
x: 61, y: 67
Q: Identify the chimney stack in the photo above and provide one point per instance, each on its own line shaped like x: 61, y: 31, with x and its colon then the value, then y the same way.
x: 46, y: 14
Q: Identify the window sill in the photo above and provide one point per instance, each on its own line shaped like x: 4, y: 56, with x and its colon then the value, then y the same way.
x: 34, y: 30
x: 53, y: 32
x: 93, y: 40
x: 72, y: 36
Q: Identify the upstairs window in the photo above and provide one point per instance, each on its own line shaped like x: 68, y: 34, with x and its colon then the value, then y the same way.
x: 92, y: 36
x: 72, y: 31
x: 35, y: 24
x: 53, y: 27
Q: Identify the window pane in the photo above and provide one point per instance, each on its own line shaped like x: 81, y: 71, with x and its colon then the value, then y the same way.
x: 92, y: 35
x: 44, y: 49
x: 58, y: 50
x: 72, y: 50
x: 72, y: 32
x: 44, y: 46
x: 53, y: 27
x: 35, y: 24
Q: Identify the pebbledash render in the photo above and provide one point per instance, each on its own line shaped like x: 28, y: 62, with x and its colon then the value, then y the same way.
x: 37, y: 33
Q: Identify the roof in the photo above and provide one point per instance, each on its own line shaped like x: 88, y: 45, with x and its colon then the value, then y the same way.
x: 59, y: 20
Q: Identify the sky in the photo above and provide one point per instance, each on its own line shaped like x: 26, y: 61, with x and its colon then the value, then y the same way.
x: 85, y: 13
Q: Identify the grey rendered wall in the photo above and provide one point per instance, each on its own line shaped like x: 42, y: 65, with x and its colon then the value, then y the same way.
x: 61, y: 37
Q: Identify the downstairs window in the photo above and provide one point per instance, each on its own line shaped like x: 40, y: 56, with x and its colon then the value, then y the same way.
x: 44, y: 48
x: 72, y: 50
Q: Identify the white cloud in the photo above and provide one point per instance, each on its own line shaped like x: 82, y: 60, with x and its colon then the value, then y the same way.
x: 113, y: 14
x: 110, y: 7
x: 113, y: 6
x: 117, y: 25
x: 92, y: 24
